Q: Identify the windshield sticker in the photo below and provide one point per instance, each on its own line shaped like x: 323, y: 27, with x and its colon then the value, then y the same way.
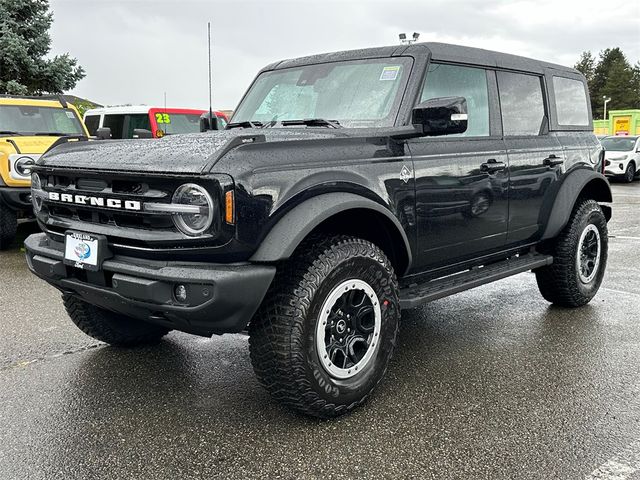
x: 70, y: 115
x: 390, y: 73
x: 163, y: 118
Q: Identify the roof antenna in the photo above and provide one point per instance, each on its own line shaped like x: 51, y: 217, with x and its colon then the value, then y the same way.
x: 210, y: 98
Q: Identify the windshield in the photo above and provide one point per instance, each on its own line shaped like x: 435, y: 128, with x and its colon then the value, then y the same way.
x: 618, y: 144
x: 357, y: 94
x: 29, y: 120
x: 171, y: 123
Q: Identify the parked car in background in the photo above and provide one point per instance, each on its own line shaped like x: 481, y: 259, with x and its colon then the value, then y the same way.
x: 28, y: 128
x: 622, y: 156
x: 122, y: 122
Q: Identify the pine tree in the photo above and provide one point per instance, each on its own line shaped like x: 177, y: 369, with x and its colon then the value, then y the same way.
x: 586, y: 65
x: 24, y: 43
x: 612, y: 77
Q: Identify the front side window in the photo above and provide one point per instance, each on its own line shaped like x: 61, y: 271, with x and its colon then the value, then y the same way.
x: 522, y: 103
x: 138, y: 120
x: 116, y: 124
x: 27, y: 119
x: 357, y: 94
x: 571, y: 101
x: 467, y: 82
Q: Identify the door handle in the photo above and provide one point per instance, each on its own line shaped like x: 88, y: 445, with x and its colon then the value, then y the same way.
x: 552, y: 161
x: 491, y: 166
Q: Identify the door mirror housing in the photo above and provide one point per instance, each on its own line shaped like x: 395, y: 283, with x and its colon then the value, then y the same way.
x: 441, y: 116
x: 209, y: 121
x: 142, y: 133
x: 103, y: 133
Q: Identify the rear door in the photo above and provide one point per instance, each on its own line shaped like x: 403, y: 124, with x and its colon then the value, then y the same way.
x: 461, y: 180
x: 536, y: 158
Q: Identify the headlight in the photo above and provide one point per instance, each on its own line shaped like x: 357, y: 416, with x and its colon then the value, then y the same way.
x: 36, y: 193
x: 24, y: 165
x: 195, y: 220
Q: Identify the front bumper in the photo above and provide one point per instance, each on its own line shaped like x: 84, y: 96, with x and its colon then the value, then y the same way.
x: 221, y: 298
x: 16, y: 198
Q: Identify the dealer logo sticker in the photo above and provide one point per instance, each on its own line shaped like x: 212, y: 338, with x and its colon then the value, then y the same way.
x: 82, y: 251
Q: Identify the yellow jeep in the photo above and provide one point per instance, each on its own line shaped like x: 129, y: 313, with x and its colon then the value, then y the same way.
x: 29, y: 126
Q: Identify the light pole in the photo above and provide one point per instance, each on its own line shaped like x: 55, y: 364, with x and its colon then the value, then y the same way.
x: 606, y: 100
x: 409, y: 41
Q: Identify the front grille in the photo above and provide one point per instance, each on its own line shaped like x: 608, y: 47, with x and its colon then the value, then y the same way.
x: 130, y: 229
x: 123, y: 189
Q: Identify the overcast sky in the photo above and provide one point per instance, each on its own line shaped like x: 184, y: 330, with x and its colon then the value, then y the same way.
x: 134, y: 51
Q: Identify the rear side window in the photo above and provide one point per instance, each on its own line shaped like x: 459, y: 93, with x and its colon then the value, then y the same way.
x: 115, y: 123
x: 92, y: 122
x: 521, y: 102
x: 467, y: 82
x: 571, y: 101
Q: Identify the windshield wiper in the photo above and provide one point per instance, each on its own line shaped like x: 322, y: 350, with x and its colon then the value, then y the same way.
x: 52, y: 134
x: 313, y: 122
x: 245, y: 124
x: 9, y: 132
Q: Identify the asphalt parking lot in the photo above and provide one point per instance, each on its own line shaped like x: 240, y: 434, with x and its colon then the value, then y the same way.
x: 492, y: 383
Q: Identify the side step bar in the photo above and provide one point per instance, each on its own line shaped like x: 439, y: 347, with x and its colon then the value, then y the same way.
x: 418, y: 294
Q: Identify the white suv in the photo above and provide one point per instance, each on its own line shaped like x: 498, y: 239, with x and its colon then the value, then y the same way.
x: 622, y: 157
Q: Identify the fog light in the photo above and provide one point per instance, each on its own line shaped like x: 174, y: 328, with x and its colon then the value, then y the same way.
x: 180, y: 292
x: 621, y: 166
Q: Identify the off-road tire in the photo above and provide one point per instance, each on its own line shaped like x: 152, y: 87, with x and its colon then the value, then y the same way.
x: 109, y: 327
x: 630, y: 172
x: 282, y: 333
x: 560, y: 283
x: 8, y: 226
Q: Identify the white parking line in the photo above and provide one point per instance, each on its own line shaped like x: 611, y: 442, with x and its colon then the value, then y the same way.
x: 621, y: 466
x: 623, y: 292
x: 623, y: 237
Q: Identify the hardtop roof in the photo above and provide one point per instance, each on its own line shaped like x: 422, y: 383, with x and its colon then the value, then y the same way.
x: 439, y: 51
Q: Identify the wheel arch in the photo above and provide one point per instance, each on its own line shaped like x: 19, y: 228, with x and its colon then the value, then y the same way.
x: 582, y: 183
x: 337, y: 212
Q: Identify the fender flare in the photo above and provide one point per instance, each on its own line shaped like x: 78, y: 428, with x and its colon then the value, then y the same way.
x: 295, y: 225
x: 568, y: 193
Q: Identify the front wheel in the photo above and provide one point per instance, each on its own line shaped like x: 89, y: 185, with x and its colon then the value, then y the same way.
x: 630, y: 173
x: 579, y: 258
x: 323, y: 337
x: 110, y: 327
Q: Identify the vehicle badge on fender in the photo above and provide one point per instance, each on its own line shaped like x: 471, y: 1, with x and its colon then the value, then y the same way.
x: 405, y: 174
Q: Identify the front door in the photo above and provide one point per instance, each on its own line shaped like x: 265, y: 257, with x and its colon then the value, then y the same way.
x: 461, y: 180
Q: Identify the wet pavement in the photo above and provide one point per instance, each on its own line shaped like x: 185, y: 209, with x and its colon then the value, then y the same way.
x: 491, y: 383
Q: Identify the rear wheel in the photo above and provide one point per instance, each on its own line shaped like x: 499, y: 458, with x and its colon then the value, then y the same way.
x: 579, y: 258
x: 8, y: 226
x: 109, y: 327
x: 323, y: 337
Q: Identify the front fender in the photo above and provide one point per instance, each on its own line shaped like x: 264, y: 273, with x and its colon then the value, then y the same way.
x: 297, y: 224
x: 583, y: 181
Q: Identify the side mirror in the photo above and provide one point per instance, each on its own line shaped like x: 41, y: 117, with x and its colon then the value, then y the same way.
x: 103, y: 133
x: 209, y: 122
x: 441, y: 116
x: 142, y: 133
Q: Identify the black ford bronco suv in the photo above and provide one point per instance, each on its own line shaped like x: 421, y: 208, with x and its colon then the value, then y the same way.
x: 347, y: 187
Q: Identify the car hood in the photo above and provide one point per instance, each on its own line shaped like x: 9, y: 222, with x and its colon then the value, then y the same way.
x: 614, y: 155
x: 176, y: 154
